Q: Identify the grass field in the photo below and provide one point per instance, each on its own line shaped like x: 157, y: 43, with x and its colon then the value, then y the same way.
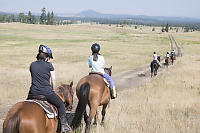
x: 123, y: 48
x: 169, y: 103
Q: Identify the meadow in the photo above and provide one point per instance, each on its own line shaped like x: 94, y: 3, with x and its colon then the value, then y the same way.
x: 123, y: 48
x: 168, y: 103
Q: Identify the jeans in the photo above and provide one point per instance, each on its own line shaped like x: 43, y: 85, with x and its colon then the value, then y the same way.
x: 56, y: 101
x: 109, y: 79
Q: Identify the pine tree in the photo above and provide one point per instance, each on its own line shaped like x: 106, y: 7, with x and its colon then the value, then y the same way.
x: 43, y: 17
x: 167, y: 28
x: 48, y: 18
x: 52, y: 18
x: 29, y: 18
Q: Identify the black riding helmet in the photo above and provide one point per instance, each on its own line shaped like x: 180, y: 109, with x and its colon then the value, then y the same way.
x: 45, y: 50
x: 95, y: 48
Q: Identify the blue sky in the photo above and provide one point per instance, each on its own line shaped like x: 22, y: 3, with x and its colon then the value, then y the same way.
x: 182, y: 8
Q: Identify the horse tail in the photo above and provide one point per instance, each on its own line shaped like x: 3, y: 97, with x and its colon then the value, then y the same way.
x: 81, y: 107
x: 12, y: 125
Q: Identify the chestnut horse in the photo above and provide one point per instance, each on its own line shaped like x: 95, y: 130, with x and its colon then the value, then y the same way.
x: 29, y: 117
x: 167, y: 61
x: 93, y: 91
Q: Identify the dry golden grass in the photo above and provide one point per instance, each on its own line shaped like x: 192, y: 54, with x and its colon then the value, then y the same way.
x: 123, y: 48
x: 169, y: 103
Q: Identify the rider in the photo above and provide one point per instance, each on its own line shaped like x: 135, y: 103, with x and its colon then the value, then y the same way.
x: 155, y: 58
x: 96, y: 63
x: 167, y: 55
x: 173, y: 53
x: 41, y: 73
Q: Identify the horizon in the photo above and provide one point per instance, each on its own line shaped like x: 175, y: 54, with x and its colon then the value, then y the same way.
x: 172, y: 8
x: 66, y: 13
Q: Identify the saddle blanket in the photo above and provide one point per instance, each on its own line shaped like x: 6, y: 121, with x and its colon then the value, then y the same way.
x: 46, y: 106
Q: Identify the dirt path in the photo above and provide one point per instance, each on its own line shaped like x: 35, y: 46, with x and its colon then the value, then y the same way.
x: 123, y: 80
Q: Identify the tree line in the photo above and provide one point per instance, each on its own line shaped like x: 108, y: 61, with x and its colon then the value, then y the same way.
x: 45, y: 18
x: 48, y: 18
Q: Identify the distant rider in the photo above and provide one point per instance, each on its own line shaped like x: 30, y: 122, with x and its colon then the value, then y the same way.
x: 96, y: 63
x: 173, y: 53
x: 167, y: 55
x: 155, y: 58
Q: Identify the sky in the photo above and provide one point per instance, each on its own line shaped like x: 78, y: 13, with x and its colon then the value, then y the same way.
x: 179, y: 8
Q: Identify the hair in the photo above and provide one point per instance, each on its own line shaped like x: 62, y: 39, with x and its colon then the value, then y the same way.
x: 95, y: 56
x: 42, y: 56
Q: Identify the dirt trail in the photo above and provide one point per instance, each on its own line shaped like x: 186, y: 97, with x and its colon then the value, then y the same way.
x: 123, y: 80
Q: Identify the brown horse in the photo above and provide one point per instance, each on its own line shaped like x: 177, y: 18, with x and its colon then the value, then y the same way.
x: 29, y: 117
x: 93, y: 91
x: 167, y: 61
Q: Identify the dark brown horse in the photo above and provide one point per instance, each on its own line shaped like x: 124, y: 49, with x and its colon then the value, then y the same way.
x: 154, y: 68
x: 93, y: 91
x: 173, y: 57
x: 29, y: 117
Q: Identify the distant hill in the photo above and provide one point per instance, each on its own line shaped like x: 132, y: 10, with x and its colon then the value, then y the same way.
x: 94, y: 14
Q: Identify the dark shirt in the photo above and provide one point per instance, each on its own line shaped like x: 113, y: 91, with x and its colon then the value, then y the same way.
x: 40, y: 75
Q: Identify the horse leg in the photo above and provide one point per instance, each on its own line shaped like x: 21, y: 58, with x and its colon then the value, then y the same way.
x: 95, y: 119
x: 93, y: 111
x: 85, y: 116
x: 103, y: 113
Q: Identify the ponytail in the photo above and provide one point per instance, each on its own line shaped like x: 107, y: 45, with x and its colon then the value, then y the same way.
x: 95, y: 56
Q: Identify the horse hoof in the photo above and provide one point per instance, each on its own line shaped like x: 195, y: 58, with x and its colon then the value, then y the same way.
x: 102, y: 124
x: 95, y: 124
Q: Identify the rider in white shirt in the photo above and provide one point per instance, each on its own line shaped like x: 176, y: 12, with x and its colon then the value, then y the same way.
x: 155, y: 58
x: 96, y: 63
x: 167, y: 55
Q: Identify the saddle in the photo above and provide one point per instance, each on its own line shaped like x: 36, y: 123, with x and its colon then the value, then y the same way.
x: 41, y: 100
x: 105, y: 80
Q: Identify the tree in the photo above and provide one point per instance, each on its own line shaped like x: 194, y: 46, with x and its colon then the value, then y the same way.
x: 3, y: 18
x: 43, y: 17
x: 11, y: 18
x: 52, y: 18
x: 34, y: 20
x: 167, y: 27
x: 48, y: 18
x: 21, y: 18
x: 29, y: 18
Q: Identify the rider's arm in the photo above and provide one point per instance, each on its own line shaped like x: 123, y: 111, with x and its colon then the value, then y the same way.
x: 53, y: 79
x: 89, y: 63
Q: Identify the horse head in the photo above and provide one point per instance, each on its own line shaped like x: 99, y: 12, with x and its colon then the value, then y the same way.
x: 65, y: 92
x: 108, y: 71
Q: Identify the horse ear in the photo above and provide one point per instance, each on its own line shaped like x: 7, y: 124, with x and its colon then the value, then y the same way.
x: 71, y: 84
x: 111, y: 68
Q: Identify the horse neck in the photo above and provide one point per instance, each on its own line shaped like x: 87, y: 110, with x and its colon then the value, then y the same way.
x: 60, y: 94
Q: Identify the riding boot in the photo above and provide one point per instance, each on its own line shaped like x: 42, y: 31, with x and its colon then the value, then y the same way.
x: 64, y: 125
x: 114, y: 93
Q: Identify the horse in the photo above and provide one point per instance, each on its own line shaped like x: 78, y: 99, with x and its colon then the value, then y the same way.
x: 29, y: 117
x: 91, y: 90
x: 154, y: 67
x: 167, y: 61
x: 173, y: 57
